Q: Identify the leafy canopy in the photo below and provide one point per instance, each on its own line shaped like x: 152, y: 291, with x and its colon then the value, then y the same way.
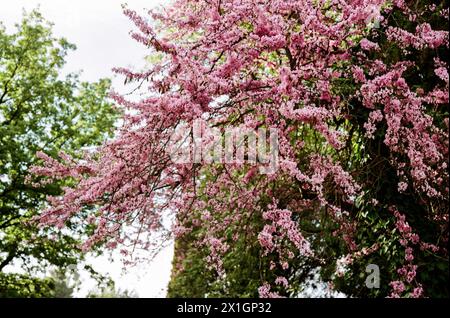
x: 41, y: 110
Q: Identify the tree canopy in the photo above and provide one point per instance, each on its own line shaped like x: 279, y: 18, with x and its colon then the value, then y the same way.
x: 356, y: 91
x: 41, y: 109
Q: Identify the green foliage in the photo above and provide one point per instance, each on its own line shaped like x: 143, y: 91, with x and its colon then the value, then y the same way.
x: 110, y: 291
x: 16, y: 285
x: 41, y: 110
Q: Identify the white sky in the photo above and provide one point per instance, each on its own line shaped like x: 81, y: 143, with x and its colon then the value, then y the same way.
x: 101, y: 33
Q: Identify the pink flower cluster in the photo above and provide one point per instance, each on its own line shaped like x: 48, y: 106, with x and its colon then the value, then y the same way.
x: 304, y: 68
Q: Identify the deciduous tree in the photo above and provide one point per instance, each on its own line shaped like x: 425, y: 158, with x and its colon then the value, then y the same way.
x: 41, y: 110
x: 357, y: 91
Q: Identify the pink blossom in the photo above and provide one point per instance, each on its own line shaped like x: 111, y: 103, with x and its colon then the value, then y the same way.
x: 402, y: 186
x: 282, y: 281
x: 345, y: 115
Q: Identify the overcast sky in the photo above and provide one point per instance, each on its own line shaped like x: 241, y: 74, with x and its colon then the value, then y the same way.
x: 101, y: 34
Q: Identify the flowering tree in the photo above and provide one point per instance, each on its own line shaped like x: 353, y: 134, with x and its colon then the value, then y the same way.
x: 357, y: 92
